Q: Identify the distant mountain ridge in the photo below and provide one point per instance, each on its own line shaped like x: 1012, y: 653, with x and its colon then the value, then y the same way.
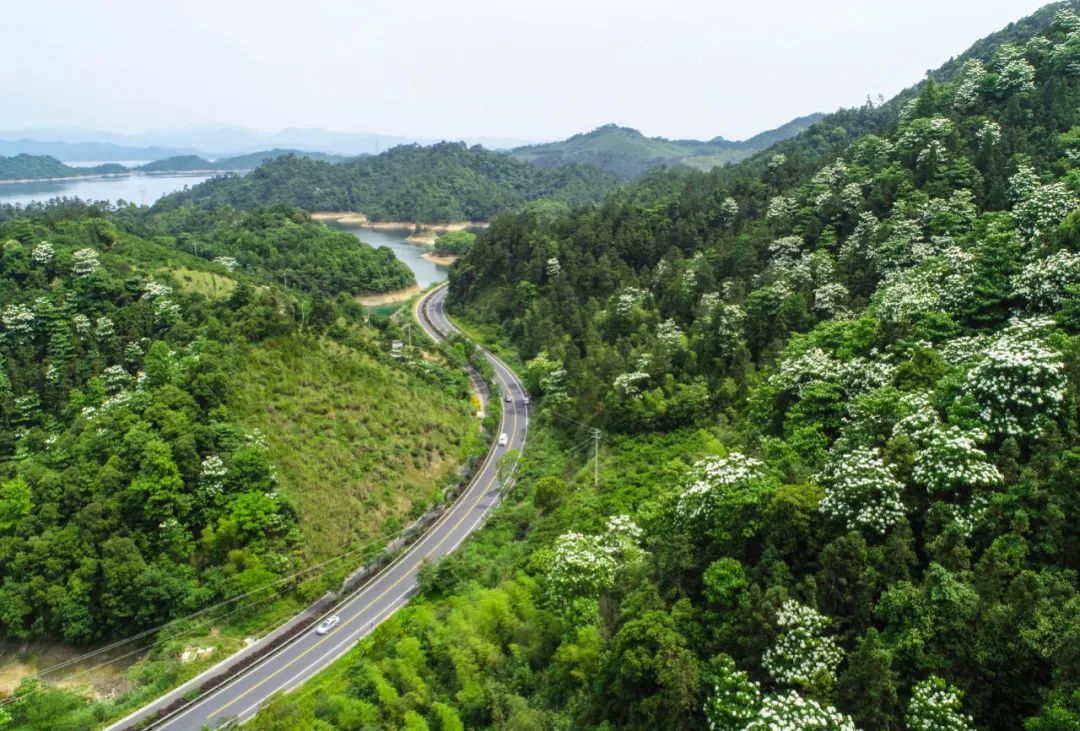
x: 208, y: 141
x: 46, y: 167
x: 627, y: 153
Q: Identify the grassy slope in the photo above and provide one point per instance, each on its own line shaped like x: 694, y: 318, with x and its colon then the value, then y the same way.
x: 359, y: 446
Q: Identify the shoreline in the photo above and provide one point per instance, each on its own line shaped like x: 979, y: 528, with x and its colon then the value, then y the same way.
x: 423, y: 233
x: 114, y: 176
x: 437, y: 260
x: 388, y: 298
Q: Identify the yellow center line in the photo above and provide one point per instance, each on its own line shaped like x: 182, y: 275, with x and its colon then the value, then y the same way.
x: 386, y: 591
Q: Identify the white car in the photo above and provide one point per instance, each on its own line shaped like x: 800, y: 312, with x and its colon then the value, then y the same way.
x: 526, y: 400
x: 506, y: 397
x: 503, y: 439
x: 327, y: 624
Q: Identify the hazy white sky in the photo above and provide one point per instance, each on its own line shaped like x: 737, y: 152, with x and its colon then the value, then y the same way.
x: 455, y: 68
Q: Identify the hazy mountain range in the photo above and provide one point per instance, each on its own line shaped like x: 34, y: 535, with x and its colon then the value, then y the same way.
x: 79, y: 144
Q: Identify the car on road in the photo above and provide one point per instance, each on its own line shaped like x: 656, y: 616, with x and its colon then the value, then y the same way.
x: 506, y: 397
x: 503, y: 439
x: 327, y: 624
x: 526, y: 400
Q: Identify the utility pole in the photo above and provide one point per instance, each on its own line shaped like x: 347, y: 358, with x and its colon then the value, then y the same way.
x: 596, y: 457
x: 408, y: 329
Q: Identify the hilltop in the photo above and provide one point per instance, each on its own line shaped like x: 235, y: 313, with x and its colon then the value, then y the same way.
x: 627, y: 153
x: 439, y: 183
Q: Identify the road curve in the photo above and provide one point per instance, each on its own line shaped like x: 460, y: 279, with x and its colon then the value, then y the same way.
x: 298, y: 660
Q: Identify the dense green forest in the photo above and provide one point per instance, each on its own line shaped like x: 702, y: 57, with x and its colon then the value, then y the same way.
x: 839, y: 482
x: 626, y: 153
x: 37, y: 167
x: 439, y: 183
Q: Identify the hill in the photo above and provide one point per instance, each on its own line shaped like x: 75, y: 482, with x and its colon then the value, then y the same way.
x: 837, y: 484
x: 86, y: 151
x: 250, y: 161
x: 440, y: 183
x: 627, y: 153
x: 39, y: 167
x: 179, y: 430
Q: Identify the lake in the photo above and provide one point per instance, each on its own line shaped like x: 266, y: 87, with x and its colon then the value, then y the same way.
x: 408, y: 252
x: 135, y: 188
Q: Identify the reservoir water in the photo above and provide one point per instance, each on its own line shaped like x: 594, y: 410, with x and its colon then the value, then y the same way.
x: 136, y: 188
x: 408, y: 252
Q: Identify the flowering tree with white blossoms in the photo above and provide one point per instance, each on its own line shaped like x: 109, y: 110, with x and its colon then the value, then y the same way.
x: 1019, y: 380
x: 861, y: 491
x: 972, y: 77
x: 713, y: 476
x: 792, y: 712
x: 1014, y: 73
x: 936, y: 706
x: 43, y: 254
x: 585, y: 565
x: 84, y: 262
x: 1038, y: 208
x: 553, y: 267
x: 729, y: 209
x: 781, y: 208
x: 1043, y: 282
x: 735, y: 699
x: 803, y: 654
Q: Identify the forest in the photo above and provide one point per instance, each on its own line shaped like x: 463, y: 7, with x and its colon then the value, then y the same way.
x: 838, y: 388
x: 194, y: 406
x: 446, y: 182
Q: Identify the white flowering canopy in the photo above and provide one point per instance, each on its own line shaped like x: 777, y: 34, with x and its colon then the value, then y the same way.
x: 1019, y: 381
x: 935, y: 706
x: 803, y: 653
x: 716, y: 475
x: 861, y: 491
x: 792, y: 712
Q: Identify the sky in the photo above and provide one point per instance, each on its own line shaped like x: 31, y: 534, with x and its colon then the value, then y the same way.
x: 471, y: 68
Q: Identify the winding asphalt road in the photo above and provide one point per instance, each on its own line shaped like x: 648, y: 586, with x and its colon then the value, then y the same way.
x: 298, y: 660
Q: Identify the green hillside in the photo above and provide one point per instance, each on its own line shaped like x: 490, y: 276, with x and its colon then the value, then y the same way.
x: 837, y: 484
x: 38, y: 167
x: 626, y: 153
x: 250, y: 161
x: 178, y: 430
x: 439, y: 183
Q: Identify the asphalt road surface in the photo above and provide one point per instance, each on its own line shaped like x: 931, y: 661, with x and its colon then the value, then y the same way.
x: 288, y: 667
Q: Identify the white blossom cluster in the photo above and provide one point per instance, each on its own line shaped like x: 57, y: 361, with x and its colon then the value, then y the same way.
x: 776, y: 162
x: 780, y: 207
x: 230, y: 263
x: 105, y: 328
x: 729, y: 209
x: 967, y: 90
x: 1066, y: 55
x: 1066, y: 20
x: 18, y: 320
x: 84, y: 262
x: 43, y: 254
x: 730, y: 329
x: 586, y: 564
x: 950, y: 458
x: 670, y: 335
x: 802, y: 651
x: 926, y: 133
x: 712, y: 475
x: 851, y: 198
x: 810, y: 366
x: 936, y: 706
x: 628, y: 383
x: 826, y: 183
x: 152, y: 290
x: 116, y: 378
x: 628, y: 299
x: 734, y: 702
x: 553, y: 266
x: 1042, y: 283
x: 861, y: 491
x: 707, y: 306
x: 83, y: 325
x: 831, y: 298
x: 954, y: 214
x: 785, y: 251
x: 989, y: 133
x: 1019, y: 380
x: 1014, y: 73
x: 792, y: 712
x: 1043, y: 209
x: 212, y: 476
